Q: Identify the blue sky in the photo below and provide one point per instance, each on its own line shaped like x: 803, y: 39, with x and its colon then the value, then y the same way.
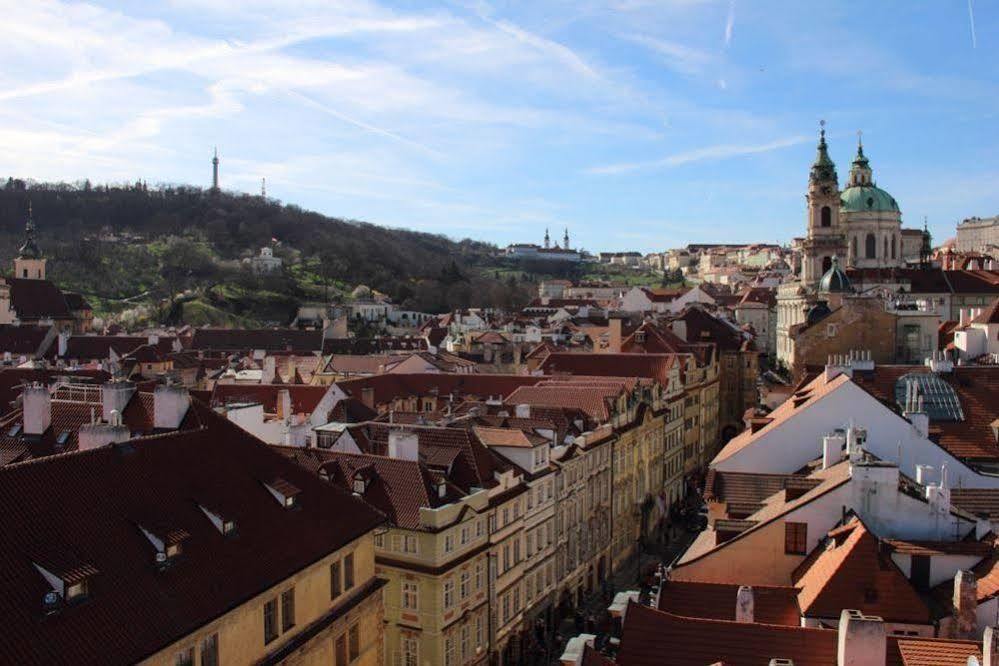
x: 638, y: 124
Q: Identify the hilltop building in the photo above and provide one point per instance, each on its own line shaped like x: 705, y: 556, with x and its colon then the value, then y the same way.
x: 28, y: 297
x: 546, y: 252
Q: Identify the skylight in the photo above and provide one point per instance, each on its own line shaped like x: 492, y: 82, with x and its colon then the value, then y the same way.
x: 940, y: 402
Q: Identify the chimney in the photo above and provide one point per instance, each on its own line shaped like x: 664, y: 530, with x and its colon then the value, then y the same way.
x: 965, y: 604
x: 283, y: 404
x: 990, y: 647
x: 832, y: 449
x: 368, y: 397
x: 268, y: 370
x: 923, y: 474
x: 95, y: 435
x: 778, y: 661
x: 36, y: 402
x: 403, y: 445
x: 744, y: 604
x: 153, y: 339
x: 614, y: 332
x: 861, y: 640
x: 114, y: 397
x: 170, y: 404
x: 63, y: 343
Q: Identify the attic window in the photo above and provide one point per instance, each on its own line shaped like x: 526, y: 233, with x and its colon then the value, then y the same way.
x: 61, y: 439
x: 69, y: 581
x: 15, y: 430
x: 226, y: 526
x: 285, y: 493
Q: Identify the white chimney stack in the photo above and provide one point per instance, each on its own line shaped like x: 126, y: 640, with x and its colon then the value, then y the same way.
x: 269, y: 370
x: 403, y: 445
x: 861, y: 640
x: 114, y: 397
x: 283, y: 405
x: 832, y: 449
x: 170, y: 405
x: 990, y: 647
x: 923, y: 474
x: 36, y: 401
x: 744, y: 603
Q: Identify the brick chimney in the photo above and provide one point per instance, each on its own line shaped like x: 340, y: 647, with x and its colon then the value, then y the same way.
x: 965, y: 604
x: 36, y: 402
x: 861, y: 640
x: 744, y: 604
x: 368, y: 397
x: 170, y: 405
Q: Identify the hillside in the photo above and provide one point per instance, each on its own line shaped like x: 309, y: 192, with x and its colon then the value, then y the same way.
x: 178, y: 251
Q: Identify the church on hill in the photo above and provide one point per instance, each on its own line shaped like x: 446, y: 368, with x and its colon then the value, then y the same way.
x: 28, y: 297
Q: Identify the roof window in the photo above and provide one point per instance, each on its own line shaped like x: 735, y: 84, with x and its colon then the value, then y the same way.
x: 285, y: 493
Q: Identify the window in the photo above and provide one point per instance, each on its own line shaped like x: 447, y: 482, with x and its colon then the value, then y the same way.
x: 348, y: 572
x: 448, y: 543
x: 870, y: 247
x: 478, y: 528
x: 464, y: 535
x: 449, y: 651
x: 354, y: 643
x: 410, y: 651
x: 410, y: 595
x: 340, y: 650
x: 409, y: 544
x: 77, y: 590
x: 795, y: 538
x: 270, y: 621
x: 336, y: 586
x: 826, y: 216
x: 480, y: 635
x: 210, y: 650
x: 287, y: 609
x: 465, y: 637
x: 379, y: 541
x: 448, y: 593
x: 478, y: 575
x: 185, y: 657
x: 463, y: 584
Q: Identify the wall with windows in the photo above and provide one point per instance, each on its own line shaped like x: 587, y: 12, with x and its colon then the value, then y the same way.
x: 271, y: 620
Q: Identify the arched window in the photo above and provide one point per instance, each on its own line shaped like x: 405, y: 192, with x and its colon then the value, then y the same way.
x: 826, y: 264
x: 871, y: 247
x: 893, y: 246
x: 884, y: 255
x: 826, y: 216
x: 853, y: 248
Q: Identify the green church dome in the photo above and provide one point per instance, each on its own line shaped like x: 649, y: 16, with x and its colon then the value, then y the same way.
x: 862, y: 198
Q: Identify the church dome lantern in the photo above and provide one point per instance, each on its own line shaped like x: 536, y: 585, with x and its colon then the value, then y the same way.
x: 835, y: 280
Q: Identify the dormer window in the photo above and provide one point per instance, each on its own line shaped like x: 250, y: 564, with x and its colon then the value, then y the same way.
x: 69, y: 582
x: 77, y: 590
x: 285, y: 493
x: 167, y: 542
x: 225, y: 525
x: 360, y: 485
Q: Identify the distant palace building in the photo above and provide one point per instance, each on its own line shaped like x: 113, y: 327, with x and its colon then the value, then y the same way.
x: 978, y: 234
x: 548, y: 252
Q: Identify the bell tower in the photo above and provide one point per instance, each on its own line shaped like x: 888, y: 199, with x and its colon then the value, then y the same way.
x: 825, y: 238
x: 29, y: 263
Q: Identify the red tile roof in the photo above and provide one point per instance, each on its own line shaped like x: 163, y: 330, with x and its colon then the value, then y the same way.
x: 651, y: 366
x: 716, y: 601
x: 397, y: 488
x: 989, y: 315
x: 37, y: 299
x: 304, y: 399
x: 912, y: 651
x: 277, y: 339
x: 852, y: 572
x: 653, y: 638
x: 976, y: 388
x: 88, y: 504
x: 461, y: 385
x: 25, y: 340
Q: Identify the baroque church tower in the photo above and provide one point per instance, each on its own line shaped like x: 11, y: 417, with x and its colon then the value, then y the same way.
x: 825, y: 238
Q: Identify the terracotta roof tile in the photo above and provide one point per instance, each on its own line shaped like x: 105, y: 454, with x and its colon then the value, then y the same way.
x: 716, y: 601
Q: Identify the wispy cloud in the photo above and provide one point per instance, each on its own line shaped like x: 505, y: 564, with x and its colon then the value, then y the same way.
x: 708, y: 153
x: 681, y: 58
x: 971, y: 21
x: 730, y: 22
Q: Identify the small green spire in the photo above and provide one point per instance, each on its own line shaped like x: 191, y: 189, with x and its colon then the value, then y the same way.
x: 823, y: 169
